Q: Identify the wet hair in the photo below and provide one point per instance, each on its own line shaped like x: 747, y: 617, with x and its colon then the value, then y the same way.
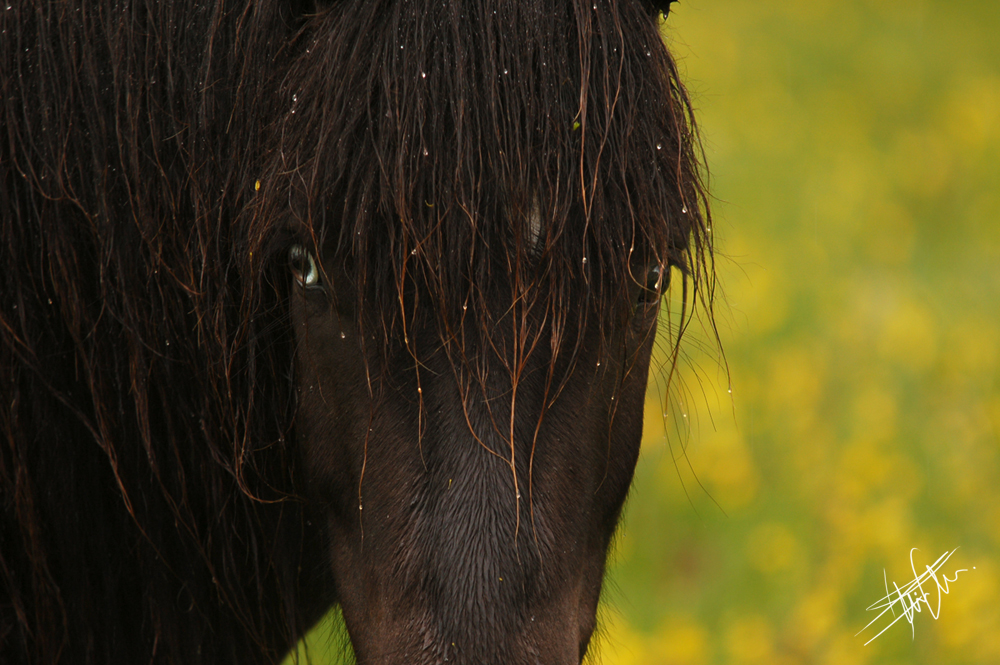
x: 418, y: 144
x: 157, y: 160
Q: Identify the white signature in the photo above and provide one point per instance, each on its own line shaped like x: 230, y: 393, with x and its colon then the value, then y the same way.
x: 912, y: 595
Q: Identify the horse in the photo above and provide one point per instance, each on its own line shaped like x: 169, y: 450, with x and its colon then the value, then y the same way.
x: 338, y: 303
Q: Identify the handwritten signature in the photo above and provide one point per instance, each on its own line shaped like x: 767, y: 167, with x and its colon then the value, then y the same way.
x: 910, y: 597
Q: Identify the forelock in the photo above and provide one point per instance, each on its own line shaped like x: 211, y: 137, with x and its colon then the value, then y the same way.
x: 420, y: 136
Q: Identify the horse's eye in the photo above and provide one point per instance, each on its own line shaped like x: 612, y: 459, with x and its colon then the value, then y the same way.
x: 303, y: 266
x: 657, y: 280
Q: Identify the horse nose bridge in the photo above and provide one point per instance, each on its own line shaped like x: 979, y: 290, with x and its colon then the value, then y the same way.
x: 423, y: 642
x: 493, y: 459
x: 463, y: 562
x: 472, y: 607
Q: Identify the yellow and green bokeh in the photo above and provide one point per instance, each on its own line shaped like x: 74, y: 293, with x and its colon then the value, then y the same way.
x: 854, y: 149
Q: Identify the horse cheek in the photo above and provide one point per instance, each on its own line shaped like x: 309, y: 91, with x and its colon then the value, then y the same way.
x: 332, y: 405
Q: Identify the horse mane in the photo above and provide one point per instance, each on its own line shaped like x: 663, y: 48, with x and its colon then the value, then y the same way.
x: 416, y: 140
x: 156, y: 161
x: 137, y: 350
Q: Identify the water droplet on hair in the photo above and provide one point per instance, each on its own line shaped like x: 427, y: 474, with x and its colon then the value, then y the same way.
x: 423, y: 75
x: 343, y: 335
x: 425, y: 152
x: 50, y: 301
x: 413, y: 251
x: 659, y: 146
x: 505, y: 71
x: 420, y: 390
x: 518, y: 496
x: 598, y: 363
x: 648, y: 53
x: 585, y: 260
x: 595, y: 6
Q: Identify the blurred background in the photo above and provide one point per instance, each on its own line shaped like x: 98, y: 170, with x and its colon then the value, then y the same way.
x: 854, y: 150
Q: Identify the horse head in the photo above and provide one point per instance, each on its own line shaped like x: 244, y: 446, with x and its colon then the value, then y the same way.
x: 348, y: 303
x: 488, y: 205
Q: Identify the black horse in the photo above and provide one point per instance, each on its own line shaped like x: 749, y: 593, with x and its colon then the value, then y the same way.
x: 340, y: 303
